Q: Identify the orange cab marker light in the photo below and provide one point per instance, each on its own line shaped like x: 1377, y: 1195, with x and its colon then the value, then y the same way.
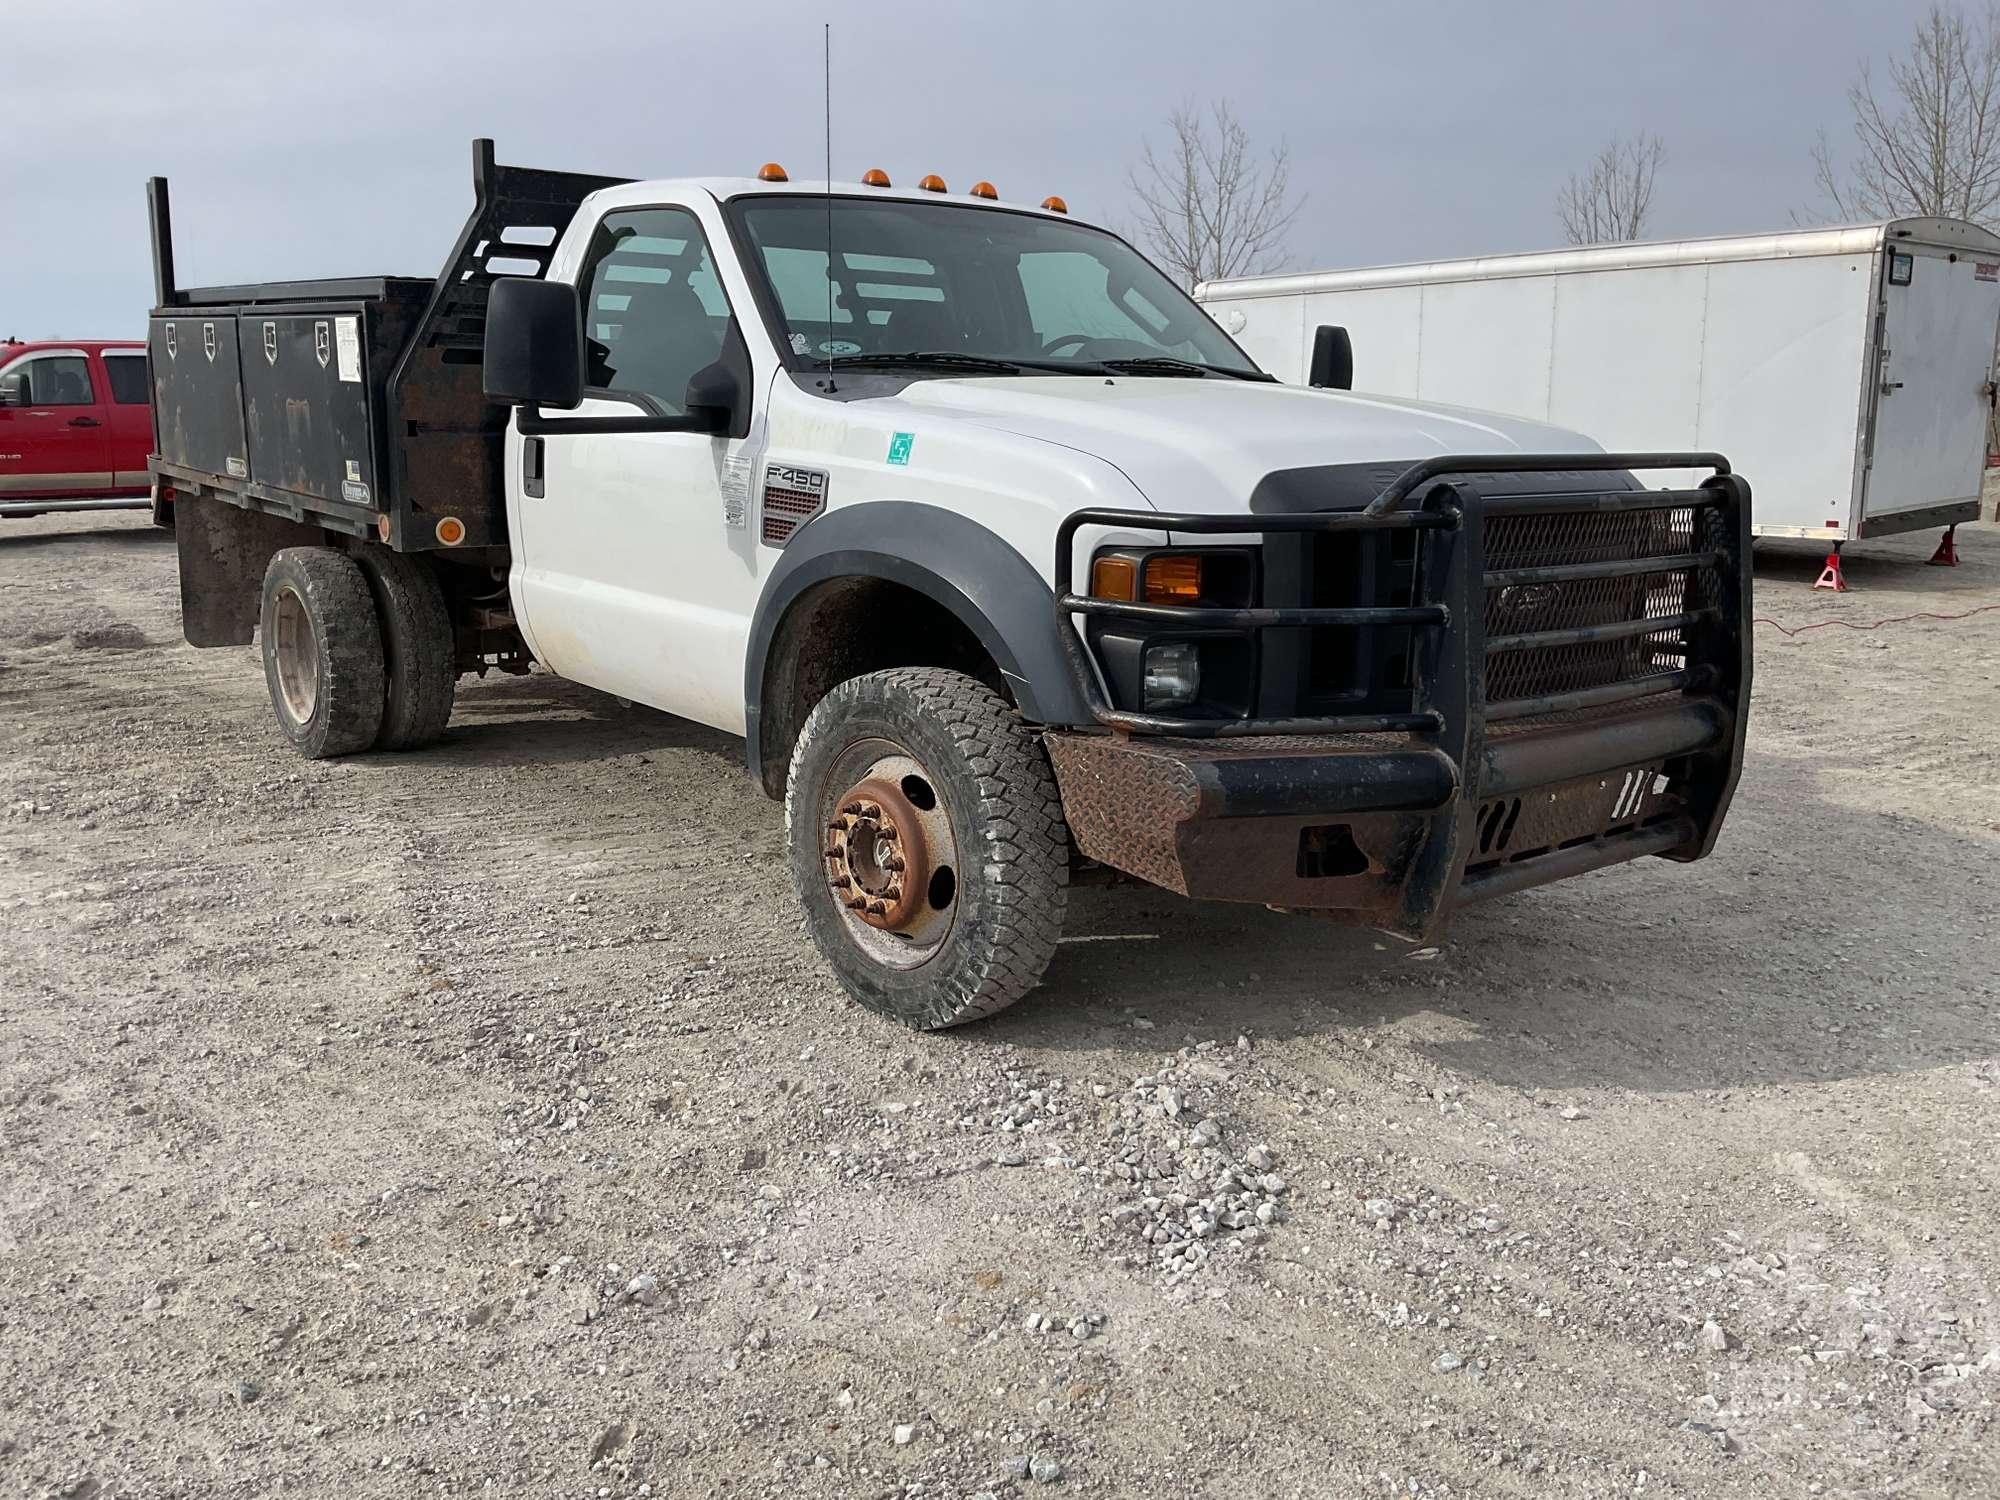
x: 1114, y: 578
x: 1055, y: 205
x: 875, y: 177
x: 451, y: 531
x: 985, y: 190
x: 1174, y: 579
x: 772, y: 172
x: 932, y: 183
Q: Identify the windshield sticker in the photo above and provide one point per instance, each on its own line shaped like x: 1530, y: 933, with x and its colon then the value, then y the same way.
x: 839, y: 346
x: 800, y: 344
x: 899, y: 447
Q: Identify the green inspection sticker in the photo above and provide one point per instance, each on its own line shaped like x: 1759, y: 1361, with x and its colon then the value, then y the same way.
x: 899, y: 447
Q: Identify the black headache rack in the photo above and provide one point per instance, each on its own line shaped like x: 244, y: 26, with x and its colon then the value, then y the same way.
x: 355, y: 403
x: 1577, y: 664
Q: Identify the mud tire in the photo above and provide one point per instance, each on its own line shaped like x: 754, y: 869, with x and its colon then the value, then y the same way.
x: 322, y: 651
x: 419, y: 655
x: 992, y: 777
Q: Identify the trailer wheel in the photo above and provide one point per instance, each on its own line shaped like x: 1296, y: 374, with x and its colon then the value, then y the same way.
x: 927, y: 845
x: 322, y: 651
x: 419, y: 661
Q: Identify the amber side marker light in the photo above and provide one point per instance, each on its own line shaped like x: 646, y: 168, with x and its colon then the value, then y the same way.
x: 1114, y: 578
x: 932, y: 183
x: 875, y: 177
x: 1055, y: 205
x: 772, y: 172
x: 451, y: 531
x: 1173, y: 580
x: 985, y: 190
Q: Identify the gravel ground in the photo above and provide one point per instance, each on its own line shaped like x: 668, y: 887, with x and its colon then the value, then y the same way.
x: 480, y: 1121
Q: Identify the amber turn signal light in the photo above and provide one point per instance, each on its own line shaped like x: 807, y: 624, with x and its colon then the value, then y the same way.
x: 772, y: 172
x: 1173, y: 579
x: 1114, y: 578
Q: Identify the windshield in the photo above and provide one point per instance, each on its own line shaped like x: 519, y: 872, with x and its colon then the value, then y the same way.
x: 974, y: 284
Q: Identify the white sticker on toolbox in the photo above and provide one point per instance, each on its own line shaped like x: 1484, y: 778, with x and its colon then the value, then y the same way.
x: 347, y: 346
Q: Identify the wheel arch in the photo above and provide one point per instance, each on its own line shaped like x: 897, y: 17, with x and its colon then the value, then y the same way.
x: 964, y: 570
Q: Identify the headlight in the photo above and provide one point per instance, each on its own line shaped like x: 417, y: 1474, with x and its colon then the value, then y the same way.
x: 1172, y: 675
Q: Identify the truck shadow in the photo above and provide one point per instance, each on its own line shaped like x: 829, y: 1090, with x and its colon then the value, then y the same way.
x: 128, y: 537
x: 1767, y: 963
x: 543, y: 720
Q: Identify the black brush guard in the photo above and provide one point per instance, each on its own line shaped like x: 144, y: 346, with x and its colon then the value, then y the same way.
x: 1561, y: 771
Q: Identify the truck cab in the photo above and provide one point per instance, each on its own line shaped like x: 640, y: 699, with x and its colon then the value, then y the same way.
x: 75, y: 432
x: 1007, y: 564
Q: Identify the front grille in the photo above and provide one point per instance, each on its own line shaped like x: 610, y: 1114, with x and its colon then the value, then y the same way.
x: 1551, y: 634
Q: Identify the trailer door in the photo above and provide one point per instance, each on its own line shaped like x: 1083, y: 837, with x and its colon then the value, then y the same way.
x: 1933, y: 362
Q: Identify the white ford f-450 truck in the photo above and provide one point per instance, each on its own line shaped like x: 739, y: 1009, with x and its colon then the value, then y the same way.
x: 1006, y: 563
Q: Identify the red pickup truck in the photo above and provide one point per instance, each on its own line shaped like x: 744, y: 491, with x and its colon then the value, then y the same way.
x: 76, y: 426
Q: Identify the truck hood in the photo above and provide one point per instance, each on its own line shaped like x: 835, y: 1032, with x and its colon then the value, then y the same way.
x: 1203, y: 445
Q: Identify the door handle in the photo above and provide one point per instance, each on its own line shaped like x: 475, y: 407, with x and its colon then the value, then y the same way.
x: 1891, y: 385
x: 84, y: 422
x: 532, y: 479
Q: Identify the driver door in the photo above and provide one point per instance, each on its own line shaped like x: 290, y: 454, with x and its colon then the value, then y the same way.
x: 52, y: 436
x: 634, y: 570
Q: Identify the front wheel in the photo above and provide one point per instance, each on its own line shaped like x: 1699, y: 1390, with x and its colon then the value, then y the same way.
x: 927, y: 845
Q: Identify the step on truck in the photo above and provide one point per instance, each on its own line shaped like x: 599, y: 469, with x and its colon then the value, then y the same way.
x: 1010, y: 568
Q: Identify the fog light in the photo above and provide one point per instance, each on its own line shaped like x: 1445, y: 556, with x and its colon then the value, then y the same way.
x: 1173, y: 675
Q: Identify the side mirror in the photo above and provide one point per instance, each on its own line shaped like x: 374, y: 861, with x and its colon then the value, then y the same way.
x: 534, y: 343
x: 14, y: 389
x: 712, y: 398
x: 1333, y: 359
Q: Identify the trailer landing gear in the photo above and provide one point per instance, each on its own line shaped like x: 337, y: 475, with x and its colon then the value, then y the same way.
x: 1946, y: 555
x: 1830, y: 577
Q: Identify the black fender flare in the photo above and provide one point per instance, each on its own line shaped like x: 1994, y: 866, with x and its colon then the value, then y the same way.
x: 980, y: 578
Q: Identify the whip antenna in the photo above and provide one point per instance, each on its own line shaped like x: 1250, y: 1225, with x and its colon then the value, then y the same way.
x: 826, y: 82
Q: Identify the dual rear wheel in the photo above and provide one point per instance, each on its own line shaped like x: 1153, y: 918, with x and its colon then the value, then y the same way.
x: 358, y: 650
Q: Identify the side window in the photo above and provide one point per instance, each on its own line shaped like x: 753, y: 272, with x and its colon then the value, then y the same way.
x: 127, y: 374
x: 653, y: 311
x: 55, y: 380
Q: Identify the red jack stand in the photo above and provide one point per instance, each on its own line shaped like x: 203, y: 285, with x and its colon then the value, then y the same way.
x: 1946, y: 555
x: 1830, y: 576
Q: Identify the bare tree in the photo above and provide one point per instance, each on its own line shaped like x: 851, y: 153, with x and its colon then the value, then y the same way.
x: 1611, y: 200
x: 1930, y: 145
x: 1207, y: 205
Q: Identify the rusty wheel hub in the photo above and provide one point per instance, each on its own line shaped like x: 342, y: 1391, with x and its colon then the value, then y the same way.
x: 877, y: 858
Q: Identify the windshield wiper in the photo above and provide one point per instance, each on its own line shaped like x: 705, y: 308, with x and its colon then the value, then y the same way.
x: 1167, y: 364
x: 943, y: 357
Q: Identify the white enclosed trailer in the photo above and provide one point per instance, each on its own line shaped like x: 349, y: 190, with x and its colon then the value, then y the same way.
x: 1849, y: 370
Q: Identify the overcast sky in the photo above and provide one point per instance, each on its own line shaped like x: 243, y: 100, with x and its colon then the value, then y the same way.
x: 333, y: 139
